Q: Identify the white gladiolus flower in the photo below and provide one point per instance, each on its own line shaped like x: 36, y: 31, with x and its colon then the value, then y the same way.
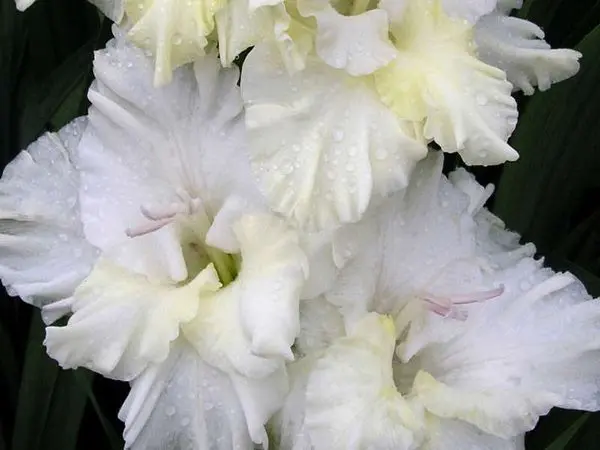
x: 456, y: 337
x: 178, y: 32
x: 143, y: 222
x: 381, y: 82
x: 113, y: 9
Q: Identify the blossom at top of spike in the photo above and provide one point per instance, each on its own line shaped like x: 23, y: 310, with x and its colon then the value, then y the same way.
x: 378, y: 85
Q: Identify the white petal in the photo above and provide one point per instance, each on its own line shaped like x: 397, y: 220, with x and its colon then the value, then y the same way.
x: 394, y: 8
x: 173, y: 32
x: 505, y: 414
x: 260, y: 399
x: 323, y: 271
x: 417, y: 242
x: 506, y: 6
x: 241, y: 24
x: 113, y: 9
x: 351, y: 399
x: 320, y: 324
x: 322, y: 143
x: 121, y: 321
x: 469, y: 10
x: 221, y: 234
x: 22, y: 5
x: 516, y: 356
x: 148, y: 147
x: 358, y: 44
x: 466, y: 105
x: 517, y: 47
x: 218, y: 335
x: 445, y: 434
x: 288, y: 423
x: 43, y: 252
x: 273, y: 270
x: 183, y: 403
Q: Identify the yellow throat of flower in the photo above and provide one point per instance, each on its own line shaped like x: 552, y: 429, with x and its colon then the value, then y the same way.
x: 429, y: 43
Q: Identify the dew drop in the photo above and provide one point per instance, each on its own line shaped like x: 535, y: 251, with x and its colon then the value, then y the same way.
x: 481, y: 99
x: 338, y: 135
x: 170, y: 411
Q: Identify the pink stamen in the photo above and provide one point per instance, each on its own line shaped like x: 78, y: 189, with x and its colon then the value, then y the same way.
x: 445, y: 305
x: 146, y: 228
x: 465, y: 299
x: 154, y: 215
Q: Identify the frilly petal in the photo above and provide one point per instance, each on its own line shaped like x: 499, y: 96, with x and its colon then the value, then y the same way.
x: 322, y: 142
x: 446, y: 434
x: 517, y: 47
x: 466, y: 105
x: 469, y: 10
x: 358, y: 44
x: 351, y: 399
x: 509, y: 374
x: 133, y: 151
x: 174, y: 32
x: 273, y: 270
x: 260, y: 399
x: 43, y: 252
x: 244, y: 23
x: 218, y: 335
x: 122, y: 322
x: 183, y: 403
x: 503, y: 414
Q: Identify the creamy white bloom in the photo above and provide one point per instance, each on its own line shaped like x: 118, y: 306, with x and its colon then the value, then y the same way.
x: 178, y: 32
x: 432, y: 70
x: 113, y: 9
x: 470, y: 328
x: 424, y: 83
x: 323, y: 143
x: 149, y: 230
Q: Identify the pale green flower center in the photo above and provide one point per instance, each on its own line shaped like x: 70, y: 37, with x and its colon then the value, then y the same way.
x: 193, y: 220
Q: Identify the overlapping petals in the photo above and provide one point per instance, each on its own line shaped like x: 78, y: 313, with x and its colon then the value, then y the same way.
x: 44, y: 251
x: 317, y: 159
x: 194, y: 275
x: 483, y: 334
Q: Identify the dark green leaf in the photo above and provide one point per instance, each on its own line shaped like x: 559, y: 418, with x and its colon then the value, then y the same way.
x: 35, y: 394
x: 114, y: 439
x: 45, y: 98
x: 69, y: 400
x: 9, y: 371
x: 544, y: 195
x: 566, y: 437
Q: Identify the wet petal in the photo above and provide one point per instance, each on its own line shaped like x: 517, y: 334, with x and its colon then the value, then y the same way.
x: 517, y: 47
x: 43, y: 252
x: 322, y: 142
x: 121, y: 321
x: 183, y: 403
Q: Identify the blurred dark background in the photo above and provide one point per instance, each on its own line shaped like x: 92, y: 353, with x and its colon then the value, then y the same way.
x: 551, y: 196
